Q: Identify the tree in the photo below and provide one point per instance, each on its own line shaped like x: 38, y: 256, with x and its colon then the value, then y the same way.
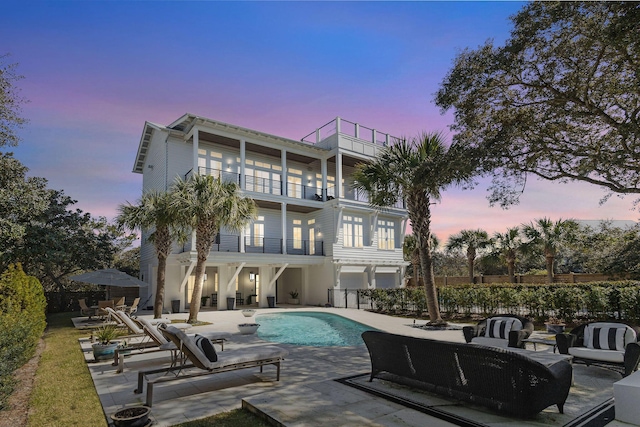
x: 549, y: 237
x: 411, y: 253
x: 207, y: 204
x: 416, y: 171
x: 508, y: 245
x: 21, y: 198
x: 61, y: 241
x: 154, y: 212
x: 128, y: 261
x: 560, y: 100
x: 472, y: 241
x: 10, y: 101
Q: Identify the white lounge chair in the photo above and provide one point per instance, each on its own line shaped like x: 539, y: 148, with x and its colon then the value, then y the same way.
x: 200, y: 364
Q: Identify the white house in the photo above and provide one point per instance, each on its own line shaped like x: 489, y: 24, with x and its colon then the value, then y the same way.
x: 311, y: 235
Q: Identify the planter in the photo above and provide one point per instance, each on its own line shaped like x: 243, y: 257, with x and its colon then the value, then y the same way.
x: 294, y: 301
x: 104, y: 351
x: 271, y: 301
x: 248, y: 312
x: 555, y: 328
x: 230, y: 303
x: 248, y: 328
x: 135, y: 416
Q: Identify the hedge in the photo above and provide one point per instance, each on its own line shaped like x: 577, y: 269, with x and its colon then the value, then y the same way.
x: 570, y: 302
x: 22, y: 322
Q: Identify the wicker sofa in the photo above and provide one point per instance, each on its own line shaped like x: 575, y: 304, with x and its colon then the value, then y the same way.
x: 496, y: 335
x: 493, y: 377
x: 610, y: 345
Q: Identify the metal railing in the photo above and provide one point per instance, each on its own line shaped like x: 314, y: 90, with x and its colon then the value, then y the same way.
x: 347, y: 128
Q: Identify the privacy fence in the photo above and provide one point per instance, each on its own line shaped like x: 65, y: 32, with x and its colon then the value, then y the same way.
x: 594, y: 300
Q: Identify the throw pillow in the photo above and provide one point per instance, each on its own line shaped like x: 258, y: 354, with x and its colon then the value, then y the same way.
x: 606, y: 338
x: 499, y: 328
x: 207, y: 348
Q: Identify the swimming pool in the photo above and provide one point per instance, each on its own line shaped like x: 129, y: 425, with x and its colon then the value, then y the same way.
x: 311, y: 329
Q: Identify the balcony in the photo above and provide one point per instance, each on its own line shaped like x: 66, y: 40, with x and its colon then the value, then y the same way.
x: 339, y: 126
x: 267, y: 245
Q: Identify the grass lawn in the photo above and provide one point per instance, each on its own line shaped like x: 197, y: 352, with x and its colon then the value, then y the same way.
x: 64, y: 395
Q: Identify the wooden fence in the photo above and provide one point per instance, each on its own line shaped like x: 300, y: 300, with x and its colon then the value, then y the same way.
x: 521, y: 278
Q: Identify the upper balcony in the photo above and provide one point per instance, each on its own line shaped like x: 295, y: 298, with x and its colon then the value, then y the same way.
x: 341, y: 127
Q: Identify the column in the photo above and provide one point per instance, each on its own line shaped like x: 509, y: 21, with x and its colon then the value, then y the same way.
x: 283, y: 162
x: 323, y: 171
x: 338, y: 175
x: 283, y: 215
x: 195, y: 151
x: 243, y: 177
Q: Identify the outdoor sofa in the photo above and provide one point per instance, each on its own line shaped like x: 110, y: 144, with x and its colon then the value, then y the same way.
x: 610, y: 345
x: 200, y: 359
x: 497, y: 378
x: 505, y: 330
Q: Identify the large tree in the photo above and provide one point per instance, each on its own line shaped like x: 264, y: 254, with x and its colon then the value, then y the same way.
x: 549, y: 237
x: 10, y: 102
x: 415, y: 171
x: 471, y: 241
x: 207, y: 204
x: 560, y: 100
x: 154, y: 214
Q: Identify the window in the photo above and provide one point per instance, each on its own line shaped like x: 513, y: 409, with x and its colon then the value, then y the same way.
x: 297, y: 234
x: 254, y: 236
x: 312, y: 237
x: 352, y: 231
x: 386, y: 234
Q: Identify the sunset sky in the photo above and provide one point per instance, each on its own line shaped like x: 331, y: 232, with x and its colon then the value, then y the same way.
x: 96, y: 70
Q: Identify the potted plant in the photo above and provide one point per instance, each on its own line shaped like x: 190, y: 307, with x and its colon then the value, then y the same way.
x: 134, y: 416
x: 248, y: 312
x: 105, y: 347
x: 294, y: 297
x: 555, y: 325
x: 248, y: 328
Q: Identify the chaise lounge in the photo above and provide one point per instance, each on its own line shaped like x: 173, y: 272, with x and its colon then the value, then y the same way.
x: 204, y: 361
x: 497, y: 378
x: 610, y: 345
x: 505, y: 330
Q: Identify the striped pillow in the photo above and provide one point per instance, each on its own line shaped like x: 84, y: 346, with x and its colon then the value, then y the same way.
x: 207, y: 348
x: 602, y: 337
x: 499, y: 327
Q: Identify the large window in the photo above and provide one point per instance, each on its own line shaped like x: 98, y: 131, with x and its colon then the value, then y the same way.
x: 254, y: 235
x: 312, y: 236
x: 352, y: 231
x: 294, y: 183
x: 297, y: 234
x: 386, y: 234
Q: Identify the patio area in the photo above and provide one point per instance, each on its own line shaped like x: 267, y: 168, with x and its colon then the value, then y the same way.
x: 322, y: 386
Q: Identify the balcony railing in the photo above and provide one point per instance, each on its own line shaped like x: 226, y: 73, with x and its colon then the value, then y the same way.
x: 345, y: 127
x: 267, y: 245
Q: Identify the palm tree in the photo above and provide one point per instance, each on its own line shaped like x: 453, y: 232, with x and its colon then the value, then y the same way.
x: 206, y: 204
x: 415, y: 171
x: 549, y: 236
x: 508, y: 245
x: 472, y: 240
x: 153, y: 211
x: 412, y: 254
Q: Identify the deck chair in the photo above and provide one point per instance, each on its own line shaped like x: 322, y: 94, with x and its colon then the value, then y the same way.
x: 120, y: 304
x: 162, y: 344
x: 84, y: 309
x: 197, y: 363
x: 133, y: 307
x: 102, y: 305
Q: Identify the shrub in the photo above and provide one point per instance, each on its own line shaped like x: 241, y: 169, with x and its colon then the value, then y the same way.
x: 22, y: 322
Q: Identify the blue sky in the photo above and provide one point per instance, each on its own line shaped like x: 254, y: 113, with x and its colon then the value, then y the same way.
x: 96, y: 70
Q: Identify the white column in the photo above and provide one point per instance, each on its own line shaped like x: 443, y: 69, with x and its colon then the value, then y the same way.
x: 372, y: 277
x: 357, y: 130
x: 243, y: 178
x: 373, y: 135
x: 283, y: 215
x: 338, y: 175
x: 195, y: 151
x: 337, y: 124
x: 283, y: 162
x: 323, y: 171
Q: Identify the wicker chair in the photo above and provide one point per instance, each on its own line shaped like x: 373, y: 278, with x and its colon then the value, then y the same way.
x: 514, y: 337
x: 504, y: 380
x: 624, y: 359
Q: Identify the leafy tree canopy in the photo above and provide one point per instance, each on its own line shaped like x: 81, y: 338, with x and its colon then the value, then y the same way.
x: 10, y: 101
x: 560, y: 100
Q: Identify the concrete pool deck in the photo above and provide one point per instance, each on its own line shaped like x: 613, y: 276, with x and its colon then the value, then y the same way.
x: 306, y: 394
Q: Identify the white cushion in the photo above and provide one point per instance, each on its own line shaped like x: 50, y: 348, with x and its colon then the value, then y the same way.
x: 491, y: 342
x: 608, y: 336
x: 499, y: 327
x: 593, y: 354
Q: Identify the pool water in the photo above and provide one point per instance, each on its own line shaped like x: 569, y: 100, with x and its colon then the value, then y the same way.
x: 311, y: 329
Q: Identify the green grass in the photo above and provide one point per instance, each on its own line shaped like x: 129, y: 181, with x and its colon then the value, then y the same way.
x: 64, y: 394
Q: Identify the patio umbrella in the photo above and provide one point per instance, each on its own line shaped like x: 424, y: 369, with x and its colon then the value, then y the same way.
x: 109, y: 277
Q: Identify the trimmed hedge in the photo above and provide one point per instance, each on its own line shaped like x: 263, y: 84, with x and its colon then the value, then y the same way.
x: 585, y: 301
x: 22, y: 322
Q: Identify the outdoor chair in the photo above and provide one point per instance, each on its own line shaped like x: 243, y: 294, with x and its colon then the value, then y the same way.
x: 505, y: 330
x: 133, y: 307
x: 610, y: 345
x: 199, y: 358
x: 102, y: 306
x: 120, y: 304
x: 84, y: 309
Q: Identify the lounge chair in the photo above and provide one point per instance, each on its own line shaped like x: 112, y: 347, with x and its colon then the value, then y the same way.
x: 202, y: 364
x: 133, y: 307
x: 120, y: 304
x: 84, y: 309
x: 102, y: 306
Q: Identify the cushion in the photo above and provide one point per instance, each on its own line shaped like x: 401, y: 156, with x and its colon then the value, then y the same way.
x: 207, y: 348
x: 612, y: 356
x: 499, y: 327
x: 490, y: 342
x: 608, y: 336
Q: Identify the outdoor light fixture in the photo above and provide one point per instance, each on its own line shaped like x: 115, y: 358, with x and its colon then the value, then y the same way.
x: 252, y: 276
x: 205, y: 277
